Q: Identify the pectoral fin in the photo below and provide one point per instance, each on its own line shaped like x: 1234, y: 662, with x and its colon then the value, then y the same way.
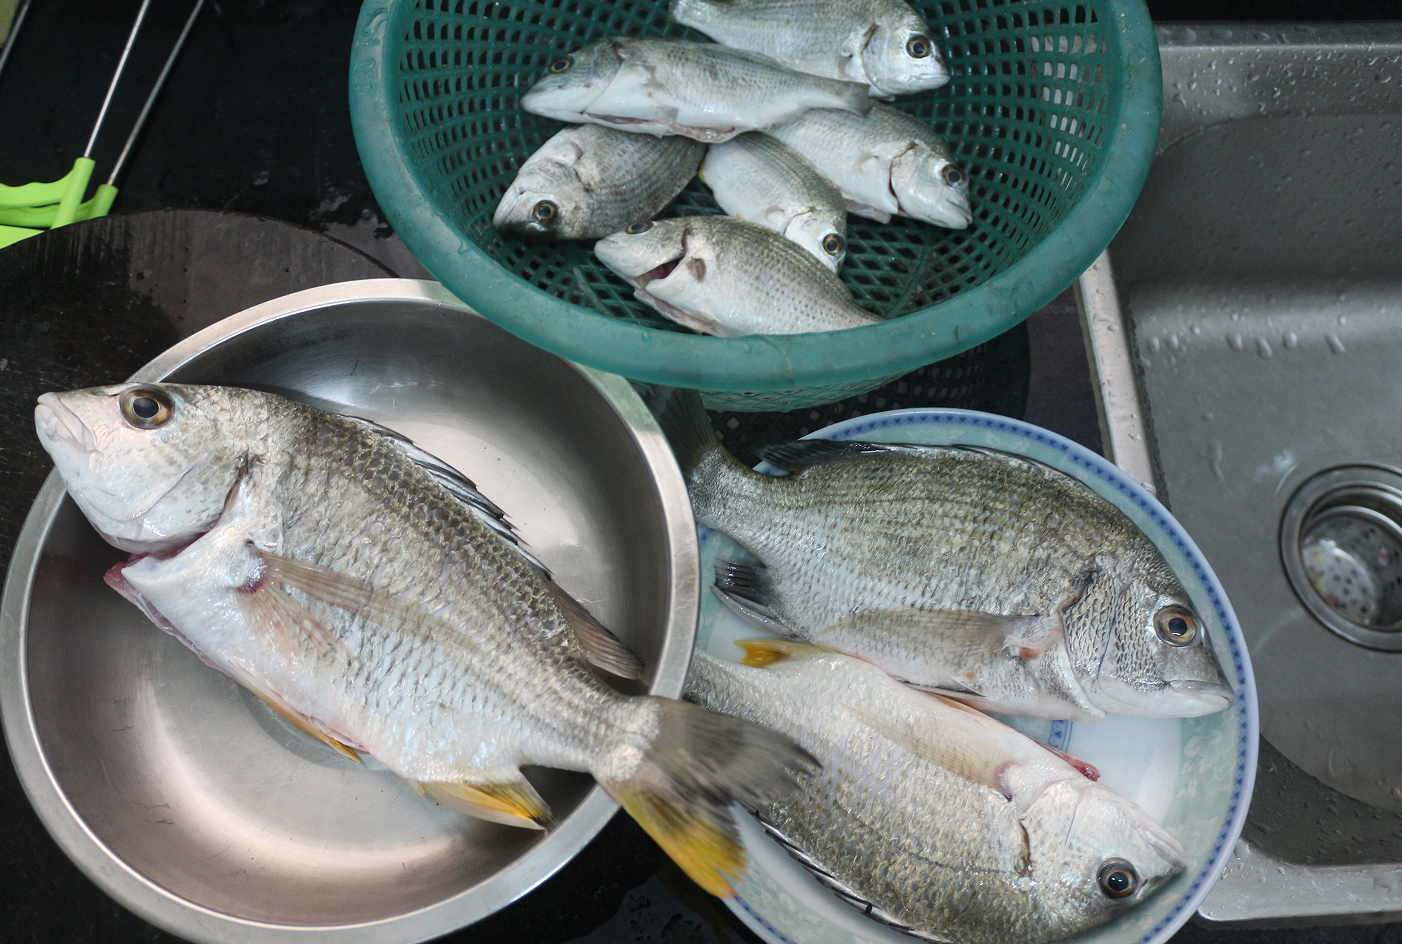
x: 958, y: 748
x: 510, y: 802
x: 957, y: 630
x: 276, y: 702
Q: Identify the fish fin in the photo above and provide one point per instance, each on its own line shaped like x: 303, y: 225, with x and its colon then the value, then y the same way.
x: 794, y: 457
x: 458, y: 485
x: 956, y: 748
x: 601, y: 648
x: 698, y: 764
x: 757, y: 616
x: 762, y: 653
x: 276, y: 702
x: 510, y: 802
x: 1024, y: 636
x: 268, y: 606
x: 1089, y: 771
x: 684, y: 422
x: 868, y: 211
x: 357, y: 596
x: 841, y: 888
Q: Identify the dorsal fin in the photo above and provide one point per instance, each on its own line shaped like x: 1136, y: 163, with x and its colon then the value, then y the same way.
x: 806, y: 453
x: 600, y: 647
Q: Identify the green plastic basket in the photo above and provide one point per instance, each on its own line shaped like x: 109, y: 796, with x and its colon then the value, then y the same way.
x: 1053, y: 111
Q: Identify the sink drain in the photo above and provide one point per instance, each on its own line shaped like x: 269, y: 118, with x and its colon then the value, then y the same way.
x: 1341, y: 543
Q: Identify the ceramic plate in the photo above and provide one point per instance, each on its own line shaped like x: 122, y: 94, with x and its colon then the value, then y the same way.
x: 1193, y: 774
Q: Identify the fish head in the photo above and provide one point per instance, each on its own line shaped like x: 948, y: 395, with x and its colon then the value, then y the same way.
x: 570, y: 84
x: 645, y: 251
x: 901, y: 57
x: 150, y: 465
x: 821, y: 236
x: 1097, y: 852
x: 932, y: 188
x: 1154, y: 657
x: 547, y: 198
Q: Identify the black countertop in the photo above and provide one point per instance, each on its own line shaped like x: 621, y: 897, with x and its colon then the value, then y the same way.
x: 254, y: 122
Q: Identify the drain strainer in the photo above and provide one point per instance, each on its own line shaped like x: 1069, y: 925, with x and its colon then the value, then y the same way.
x: 1341, y: 544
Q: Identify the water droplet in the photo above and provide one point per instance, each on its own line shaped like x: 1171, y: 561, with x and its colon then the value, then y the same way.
x: 1154, y: 345
x: 1263, y: 347
x: 1174, y: 343
x: 1237, y: 342
x: 1335, y: 344
x: 1292, y: 340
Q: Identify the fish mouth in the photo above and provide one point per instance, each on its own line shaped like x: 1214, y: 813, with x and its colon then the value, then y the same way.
x: 1208, y: 697
x: 58, y: 425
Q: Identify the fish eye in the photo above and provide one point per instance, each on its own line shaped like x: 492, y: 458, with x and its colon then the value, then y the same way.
x: 1117, y: 878
x: 560, y: 65
x: 546, y: 214
x: 1176, y: 625
x: 952, y: 175
x: 833, y: 244
x: 634, y: 229
x: 919, y: 47
x: 146, y: 407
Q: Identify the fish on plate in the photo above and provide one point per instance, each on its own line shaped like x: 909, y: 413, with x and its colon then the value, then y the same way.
x: 883, y: 43
x: 886, y: 164
x: 979, y: 574
x: 589, y: 181
x: 723, y: 276
x: 376, y: 599
x: 931, y: 816
x: 757, y: 178
x: 670, y: 86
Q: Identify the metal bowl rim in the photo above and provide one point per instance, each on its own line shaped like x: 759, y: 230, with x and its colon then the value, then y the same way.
x: 188, y: 919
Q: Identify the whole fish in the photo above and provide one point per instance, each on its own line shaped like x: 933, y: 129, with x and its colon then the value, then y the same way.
x: 589, y: 181
x: 754, y: 177
x: 726, y: 277
x: 669, y: 86
x: 979, y: 574
x: 885, y: 163
x: 376, y: 599
x: 933, y: 817
x: 883, y: 43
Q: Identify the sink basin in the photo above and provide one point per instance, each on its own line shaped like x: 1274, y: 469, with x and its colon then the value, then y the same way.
x: 1246, y: 328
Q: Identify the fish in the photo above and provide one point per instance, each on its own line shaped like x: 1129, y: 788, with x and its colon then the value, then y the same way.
x: 588, y: 181
x: 931, y: 816
x: 756, y: 178
x: 369, y: 593
x: 886, y: 164
x: 671, y: 86
x: 978, y: 574
x: 727, y: 277
x: 883, y: 43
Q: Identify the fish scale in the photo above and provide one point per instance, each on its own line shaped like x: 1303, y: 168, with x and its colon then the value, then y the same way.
x: 977, y: 573
x: 921, y: 844
x: 387, y: 610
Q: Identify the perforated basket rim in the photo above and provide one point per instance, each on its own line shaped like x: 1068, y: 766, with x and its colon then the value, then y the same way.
x: 765, y: 363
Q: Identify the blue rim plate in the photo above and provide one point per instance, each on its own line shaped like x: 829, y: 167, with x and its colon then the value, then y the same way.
x: 1194, y: 774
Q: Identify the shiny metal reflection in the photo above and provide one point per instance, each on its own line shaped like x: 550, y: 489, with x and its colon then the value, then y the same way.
x: 188, y: 801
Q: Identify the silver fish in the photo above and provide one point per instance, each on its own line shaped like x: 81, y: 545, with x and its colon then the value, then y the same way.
x: 934, y: 817
x: 754, y: 177
x: 589, y: 181
x: 883, y: 43
x: 726, y: 277
x: 983, y: 575
x: 886, y: 164
x: 374, y: 597
x: 668, y: 86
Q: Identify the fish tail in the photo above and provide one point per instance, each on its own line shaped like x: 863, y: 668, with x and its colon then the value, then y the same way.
x: 696, y: 766
x: 683, y: 419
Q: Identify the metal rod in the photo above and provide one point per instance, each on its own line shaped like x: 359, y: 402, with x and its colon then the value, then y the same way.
x: 14, y: 31
x: 131, y: 39
x: 155, y: 91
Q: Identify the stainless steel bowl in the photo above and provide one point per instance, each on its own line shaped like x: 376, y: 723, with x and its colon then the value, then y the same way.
x: 198, y: 808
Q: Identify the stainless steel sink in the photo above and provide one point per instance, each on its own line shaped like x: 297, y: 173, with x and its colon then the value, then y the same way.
x: 1246, y: 328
